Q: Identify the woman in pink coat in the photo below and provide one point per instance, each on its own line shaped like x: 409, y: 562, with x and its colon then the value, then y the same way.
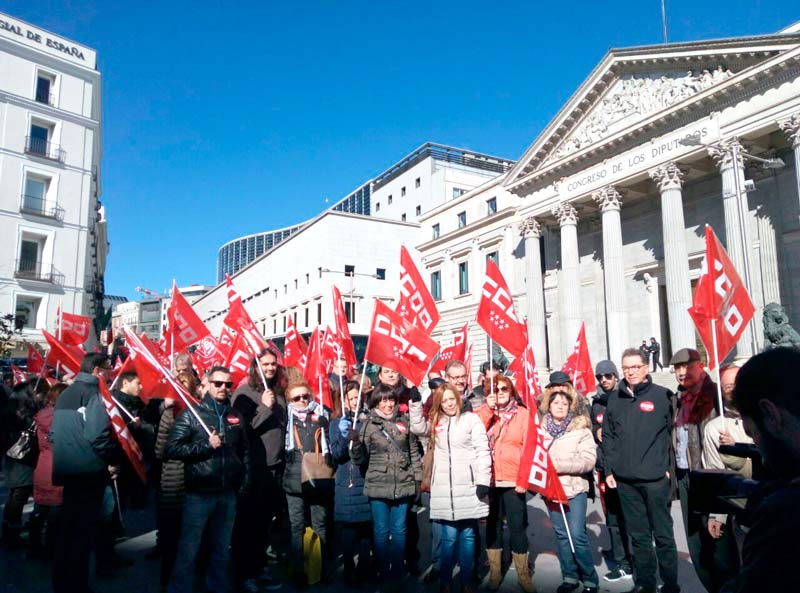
x: 46, y: 496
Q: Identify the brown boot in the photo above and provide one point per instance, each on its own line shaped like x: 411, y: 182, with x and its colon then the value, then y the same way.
x: 495, y: 569
x: 523, y: 572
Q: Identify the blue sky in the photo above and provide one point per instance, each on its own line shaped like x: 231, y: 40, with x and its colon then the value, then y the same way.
x: 224, y: 119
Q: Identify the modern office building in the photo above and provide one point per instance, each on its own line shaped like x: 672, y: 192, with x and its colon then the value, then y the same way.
x: 51, y: 221
x: 423, y: 179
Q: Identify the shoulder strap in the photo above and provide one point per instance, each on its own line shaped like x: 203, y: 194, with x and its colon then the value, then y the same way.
x: 391, y: 440
x: 297, y: 442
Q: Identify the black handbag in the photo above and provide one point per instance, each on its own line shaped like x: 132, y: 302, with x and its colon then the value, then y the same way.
x: 26, y: 449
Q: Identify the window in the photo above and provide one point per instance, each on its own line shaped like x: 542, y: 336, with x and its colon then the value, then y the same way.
x: 436, y: 285
x: 463, y: 278
x: 417, y: 182
x: 402, y: 191
x: 306, y: 317
x: 294, y: 318
x: 436, y: 231
x: 380, y: 273
x: 377, y: 206
x: 308, y: 278
x: 295, y: 283
x: 491, y: 206
x: 26, y: 312
x: 44, y: 88
x: 462, y: 219
x: 349, y: 270
x: 35, y: 194
x: 403, y: 217
x: 494, y: 257
x: 418, y: 210
x: 284, y: 323
x: 458, y: 192
x: 274, y: 326
x: 319, y: 313
x: 29, y: 264
x: 389, y: 200
x: 350, y: 311
x: 38, y: 139
x: 285, y: 289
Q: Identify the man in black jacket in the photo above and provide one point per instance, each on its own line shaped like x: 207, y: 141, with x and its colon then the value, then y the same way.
x: 217, y: 467
x: 85, y: 452
x: 608, y: 379
x: 637, y: 445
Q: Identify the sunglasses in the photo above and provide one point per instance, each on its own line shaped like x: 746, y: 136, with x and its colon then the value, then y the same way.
x: 220, y: 384
x: 607, y: 376
x: 302, y: 397
x: 503, y: 389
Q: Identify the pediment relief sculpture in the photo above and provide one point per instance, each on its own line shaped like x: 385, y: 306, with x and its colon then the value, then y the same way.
x: 634, y: 98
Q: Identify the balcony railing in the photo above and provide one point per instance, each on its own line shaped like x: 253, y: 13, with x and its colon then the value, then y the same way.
x: 44, y: 149
x: 39, y: 207
x: 29, y: 269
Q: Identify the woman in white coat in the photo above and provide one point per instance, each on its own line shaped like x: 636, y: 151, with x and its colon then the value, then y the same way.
x: 459, y: 481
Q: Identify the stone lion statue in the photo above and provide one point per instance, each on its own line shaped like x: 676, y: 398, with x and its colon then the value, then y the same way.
x: 777, y: 331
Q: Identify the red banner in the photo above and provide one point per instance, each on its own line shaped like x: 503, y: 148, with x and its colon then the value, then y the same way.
x: 239, y: 320
x: 458, y: 351
x: 721, y: 298
x: 579, y: 366
x: 416, y: 305
x: 35, y: 361
x: 496, y: 314
x: 315, y: 372
x: 395, y: 343
x: 343, y: 339
x: 18, y: 374
x: 67, y: 358
x: 73, y: 329
x: 536, y: 471
x: 124, y: 436
x: 238, y: 360
x: 294, y: 347
x: 183, y: 324
x: 523, y: 369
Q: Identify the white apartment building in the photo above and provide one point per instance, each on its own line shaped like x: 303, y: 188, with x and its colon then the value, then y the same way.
x: 359, y: 254
x: 140, y: 316
x: 51, y: 222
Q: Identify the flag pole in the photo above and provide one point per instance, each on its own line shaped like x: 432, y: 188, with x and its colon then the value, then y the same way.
x: 358, y: 401
x: 341, y: 382
x: 719, y: 380
x: 566, y: 527
x: 60, y: 323
x: 121, y: 407
x: 491, y: 365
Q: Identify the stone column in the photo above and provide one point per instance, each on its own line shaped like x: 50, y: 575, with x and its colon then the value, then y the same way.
x: 531, y: 231
x: 651, y: 285
x: 791, y: 127
x: 609, y: 200
x: 737, y: 238
x: 669, y: 180
x: 569, y: 294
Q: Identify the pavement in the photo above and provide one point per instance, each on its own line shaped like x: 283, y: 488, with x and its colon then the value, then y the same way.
x: 20, y: 575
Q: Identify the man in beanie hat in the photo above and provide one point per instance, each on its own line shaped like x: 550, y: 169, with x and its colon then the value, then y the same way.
x: 607, y: 385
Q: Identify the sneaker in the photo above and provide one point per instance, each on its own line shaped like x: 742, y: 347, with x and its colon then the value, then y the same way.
x: 618, y: 574
x: 249, y: 586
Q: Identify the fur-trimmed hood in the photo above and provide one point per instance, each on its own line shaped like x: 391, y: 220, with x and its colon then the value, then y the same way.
x: 578, y: 422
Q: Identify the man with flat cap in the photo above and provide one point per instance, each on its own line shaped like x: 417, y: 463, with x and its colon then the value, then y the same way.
x: 637, y: 456
x: 696, y: 407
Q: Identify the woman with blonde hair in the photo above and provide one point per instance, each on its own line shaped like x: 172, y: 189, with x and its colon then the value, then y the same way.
x: 459, y: 481
x: 569, y: 440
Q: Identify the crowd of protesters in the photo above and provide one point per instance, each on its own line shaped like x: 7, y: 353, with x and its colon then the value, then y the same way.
x: 262, y: 470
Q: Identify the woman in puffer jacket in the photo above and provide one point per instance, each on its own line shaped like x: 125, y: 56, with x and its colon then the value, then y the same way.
x: 568, y: 437
x: 460, y: 480
x: 506, y: 423
x: 390, y: 453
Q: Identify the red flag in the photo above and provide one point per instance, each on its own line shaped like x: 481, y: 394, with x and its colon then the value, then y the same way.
x: 124, y: 436
x: 19, y: 375
x: 579, y: 366
x: 295, y: 347
x: 35, y: 361
x: 208, y: 353
x: 346, y: 347
x: 416, y: 305
x: 156, y: 351
x: 118, y: 366
x: 183, y: 324
x: 536, y: 471
x: 720, y: 297
x: 396, y: 343
x: 496, y: 313
x: 523, y: 369
x: 65, y: 356
x: 458, y: 351
x: 314, y: 371
x: 225, y: 341
x: 238, y: 359
x: 73, y: 329
x: 239, y: 320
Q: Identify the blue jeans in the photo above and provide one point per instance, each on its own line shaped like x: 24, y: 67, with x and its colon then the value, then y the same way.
x: 219, y: 511
x: 389, y: 518
x: 580, y: 565
x: 458, y: 537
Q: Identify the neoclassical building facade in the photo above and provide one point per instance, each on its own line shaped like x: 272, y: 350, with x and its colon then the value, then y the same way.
x: 608, y: 205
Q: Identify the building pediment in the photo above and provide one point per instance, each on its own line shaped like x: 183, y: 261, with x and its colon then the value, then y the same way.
x: 640, y: 88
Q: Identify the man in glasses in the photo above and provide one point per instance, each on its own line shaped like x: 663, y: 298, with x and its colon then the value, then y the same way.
x: 637, y: 452
x: 217, y: 468
x: 608, y: 380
